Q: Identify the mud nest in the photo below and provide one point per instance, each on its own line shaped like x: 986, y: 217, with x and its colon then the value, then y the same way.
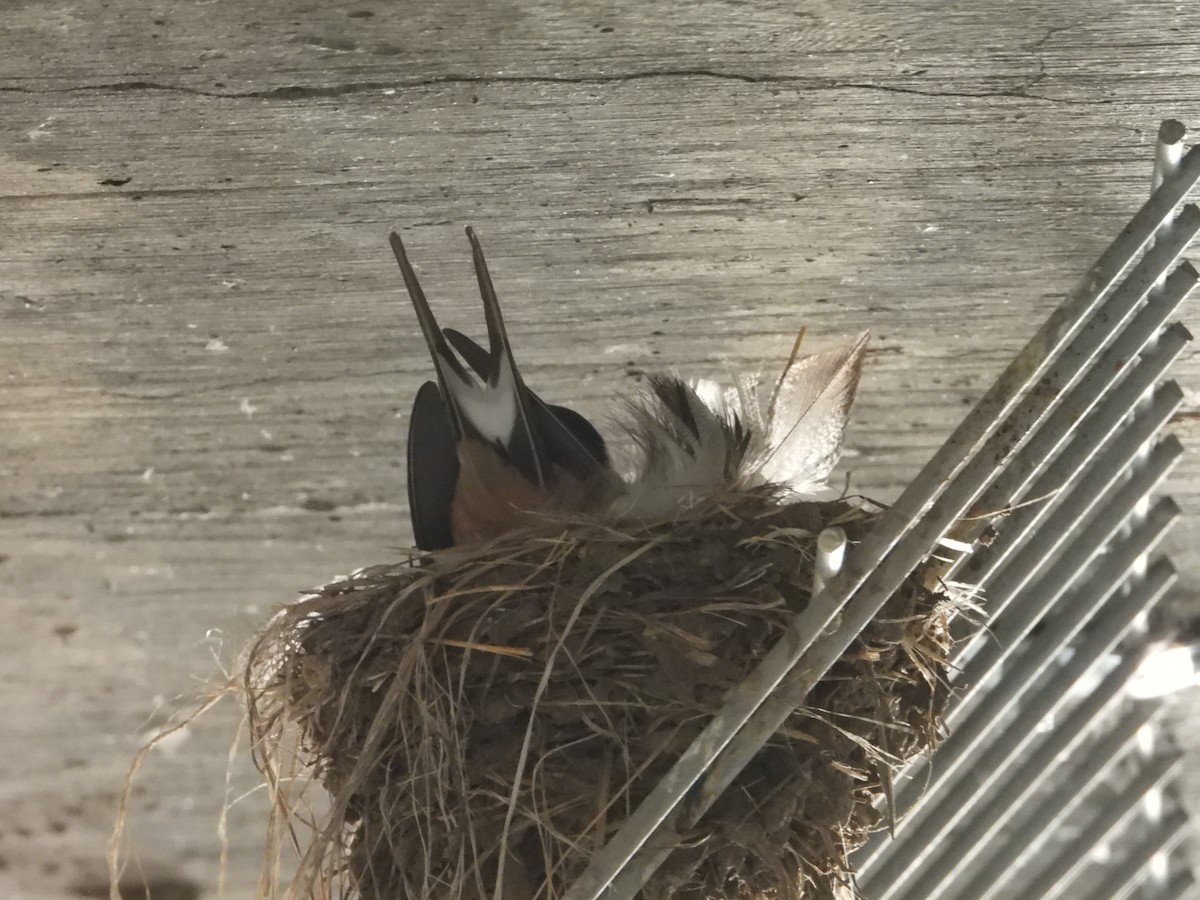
x: 497, y: 713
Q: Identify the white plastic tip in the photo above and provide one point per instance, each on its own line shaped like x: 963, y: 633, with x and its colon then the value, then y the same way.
x: 1167, y: 668
x: 1154, y: 804
x: 956, y: 545
x: 1146, y: 739
x: 831, y: 553
x: 1102, y: 853
x: 1160, y: 868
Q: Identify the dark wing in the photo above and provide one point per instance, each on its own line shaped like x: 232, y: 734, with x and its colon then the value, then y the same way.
x: 432, y: 469
x: 582, y: 432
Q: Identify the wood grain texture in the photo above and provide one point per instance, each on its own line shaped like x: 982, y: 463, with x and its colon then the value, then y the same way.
x: 209, y: 357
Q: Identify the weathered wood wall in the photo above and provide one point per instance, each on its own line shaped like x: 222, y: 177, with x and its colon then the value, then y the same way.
x: 208, y: 356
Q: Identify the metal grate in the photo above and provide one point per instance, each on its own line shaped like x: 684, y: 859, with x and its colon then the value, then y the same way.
x: 1045, y: 770
x: 1069, y: 424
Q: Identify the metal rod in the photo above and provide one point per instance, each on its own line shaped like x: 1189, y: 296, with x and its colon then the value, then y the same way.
x: 1063, y: 513
x: 1032, y: 365
x: 1140, y: 335
x: 1075, y: 503
x: 1075, y: 507
x: 1091, y: 340
x: 877, y: 845
x: 1087, y: 436
x: 1030, y: 600
x: 1092, y: 431
x: 964, y: 869
x: 1120, y: 305
x: 1168, y: 151
x: 1131, y: 870
x: 1011, y: 857
x: 1182, y: 887
x: 891, y: 571
x: 973, y: 731
x: 1053, y: 879
x: 958, y: 798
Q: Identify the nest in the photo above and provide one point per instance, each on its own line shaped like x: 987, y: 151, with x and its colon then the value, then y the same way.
x: 492, y: 715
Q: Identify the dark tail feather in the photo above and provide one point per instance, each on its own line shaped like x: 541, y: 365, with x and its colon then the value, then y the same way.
x: 523, y: 448
x: 444, y: 362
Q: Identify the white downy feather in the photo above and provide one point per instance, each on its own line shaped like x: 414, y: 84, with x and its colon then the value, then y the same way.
x: 804, y: 422
x: 688, y: 449
x: 697, y: 439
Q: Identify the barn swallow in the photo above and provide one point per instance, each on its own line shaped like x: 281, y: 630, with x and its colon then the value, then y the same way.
x: 484, y: 450
x: 482, y: 447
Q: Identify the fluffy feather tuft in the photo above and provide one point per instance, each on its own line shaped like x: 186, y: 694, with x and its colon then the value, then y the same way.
x: 696, y: 439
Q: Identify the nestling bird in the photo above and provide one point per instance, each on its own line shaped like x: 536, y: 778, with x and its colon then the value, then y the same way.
x: 484, y: 450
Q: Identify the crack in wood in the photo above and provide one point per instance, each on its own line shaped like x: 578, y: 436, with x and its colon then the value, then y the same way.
x: 294, y: 92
